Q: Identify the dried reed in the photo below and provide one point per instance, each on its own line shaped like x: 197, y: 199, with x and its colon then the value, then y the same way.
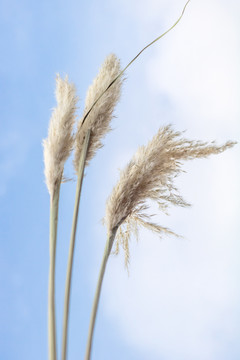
x: 148, y: 176
x: 91, y: 154
x: 57, y: 147
x: 98, y: 120
x: 87, y: 141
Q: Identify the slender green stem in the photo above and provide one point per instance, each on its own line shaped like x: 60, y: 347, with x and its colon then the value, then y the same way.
x: 106, y: 254
x: 51, y: 285
x: 72, y: 245
x: 130, y: 63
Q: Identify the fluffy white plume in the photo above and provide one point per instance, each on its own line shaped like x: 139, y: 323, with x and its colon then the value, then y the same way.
x: 99, y: 118
x: 58, y: 145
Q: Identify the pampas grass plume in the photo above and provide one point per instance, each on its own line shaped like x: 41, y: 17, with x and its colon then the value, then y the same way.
x: 58, y: 145
x: 99, y: 118
x: 150, y: 176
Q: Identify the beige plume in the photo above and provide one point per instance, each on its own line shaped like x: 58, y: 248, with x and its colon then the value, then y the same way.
x: 58, y: 145
x: 150, y: 176
x: 99, y: 118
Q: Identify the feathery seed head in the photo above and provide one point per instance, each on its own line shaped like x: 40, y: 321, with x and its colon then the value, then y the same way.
x: 98, y: 120
x: 58, y: 145
x: 150, y: 175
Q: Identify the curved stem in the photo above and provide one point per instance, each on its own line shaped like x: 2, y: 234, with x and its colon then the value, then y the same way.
x: 126, y: 67
x: 106, y: 254
x: 51, y: 284
x: 72, y: 245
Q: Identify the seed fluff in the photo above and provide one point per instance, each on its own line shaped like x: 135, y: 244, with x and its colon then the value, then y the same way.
x: 150, y: 176
x: 98, y: 120
x: 58, y: 145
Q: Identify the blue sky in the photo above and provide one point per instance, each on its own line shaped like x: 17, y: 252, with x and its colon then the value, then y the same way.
x: 181, y: 300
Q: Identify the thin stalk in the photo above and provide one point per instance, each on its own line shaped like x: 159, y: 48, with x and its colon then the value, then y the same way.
x: 106, y: 254
x: 51, y: 285
x: 130, y: 63
x: 72, y: 245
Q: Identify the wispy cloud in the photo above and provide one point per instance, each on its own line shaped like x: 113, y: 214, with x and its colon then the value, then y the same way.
x: 180, y: 300
x: 198, y: 67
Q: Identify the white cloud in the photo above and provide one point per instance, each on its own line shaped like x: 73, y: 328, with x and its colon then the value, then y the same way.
x: 198, y: 66
x: 180, y: 301
x: 181, y: 298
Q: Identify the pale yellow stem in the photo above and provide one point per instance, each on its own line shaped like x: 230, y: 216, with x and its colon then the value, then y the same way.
x: 51, y: 285
x: 106, y: 254
x: 72, y: 245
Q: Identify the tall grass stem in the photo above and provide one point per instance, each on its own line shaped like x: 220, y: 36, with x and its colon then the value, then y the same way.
x: 54, y: 201
x: 72, y: 245
x: 106, y: 254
